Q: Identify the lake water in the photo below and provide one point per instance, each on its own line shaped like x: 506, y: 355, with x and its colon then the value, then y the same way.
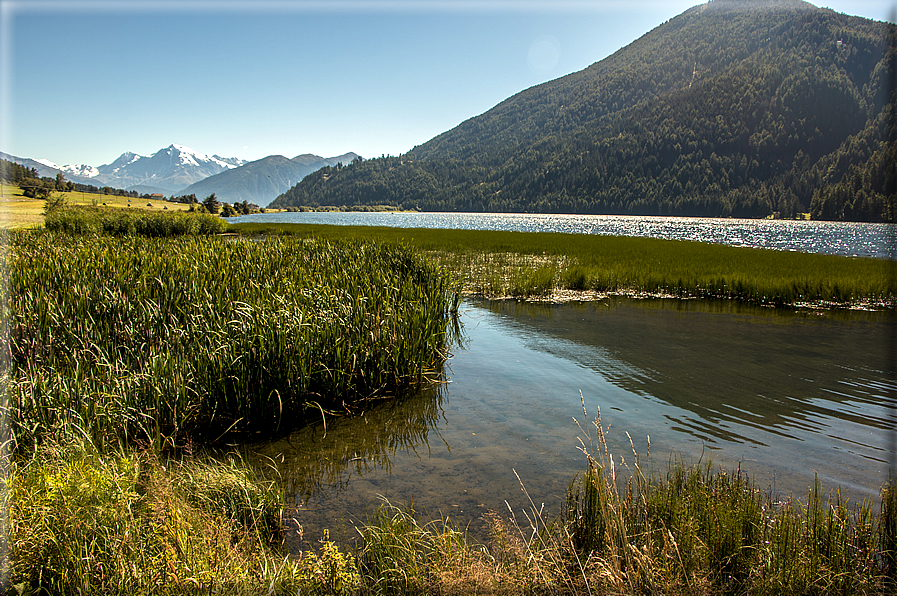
x: 786, y: 395
x: 841, y: 238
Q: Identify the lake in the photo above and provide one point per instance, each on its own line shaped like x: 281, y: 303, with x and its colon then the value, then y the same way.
x: 841, y: 238
x: 785, y: 395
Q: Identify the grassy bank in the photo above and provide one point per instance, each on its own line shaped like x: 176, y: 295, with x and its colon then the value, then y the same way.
x: 125, y: 522
x: 136, y: 338
x: 533, y: 265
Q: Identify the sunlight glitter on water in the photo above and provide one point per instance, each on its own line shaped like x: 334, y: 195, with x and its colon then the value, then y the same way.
x: 841, y: 238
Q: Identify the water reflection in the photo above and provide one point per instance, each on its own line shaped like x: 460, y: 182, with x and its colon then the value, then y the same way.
x: 786, y: 395
x: 322, y: 459
x: 729, y: 374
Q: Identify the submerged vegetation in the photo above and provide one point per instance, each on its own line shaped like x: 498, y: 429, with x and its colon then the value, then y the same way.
x: 695, y: 530
x: 545, y: 265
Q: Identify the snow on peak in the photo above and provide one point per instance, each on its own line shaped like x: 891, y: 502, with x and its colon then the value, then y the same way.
x: 48, y: 163
x: 191, y: 157
x: 81, y: 170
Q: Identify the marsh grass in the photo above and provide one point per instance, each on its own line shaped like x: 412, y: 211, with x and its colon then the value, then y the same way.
x: 703, y: 530
x: 528, y: 264
x: 691, y: 530
x: 159, y: 339
x: 126, y: 522
x: 124, y: 222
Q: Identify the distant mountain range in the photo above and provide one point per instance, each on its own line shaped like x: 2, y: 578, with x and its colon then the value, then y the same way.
x: 262, y: 180
x: 179, y: 170
x: 734, y: 108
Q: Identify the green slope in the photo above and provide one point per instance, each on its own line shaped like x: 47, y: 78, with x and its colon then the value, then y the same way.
x: 735, y: 107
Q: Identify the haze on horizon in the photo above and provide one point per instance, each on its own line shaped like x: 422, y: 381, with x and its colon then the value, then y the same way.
x: 84, y: 81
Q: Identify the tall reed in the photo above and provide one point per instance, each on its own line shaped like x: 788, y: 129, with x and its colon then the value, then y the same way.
x: 122, y: 222
x: 529, y: 264
x: 160, y: 338
x: 625, y: 530
x: 700, y: 529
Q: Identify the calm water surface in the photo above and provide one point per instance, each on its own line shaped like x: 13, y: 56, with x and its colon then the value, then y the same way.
x: 786, y: 395
x: 842, y: 238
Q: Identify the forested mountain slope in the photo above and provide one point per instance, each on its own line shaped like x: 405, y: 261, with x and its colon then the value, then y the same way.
x: 735, y: 107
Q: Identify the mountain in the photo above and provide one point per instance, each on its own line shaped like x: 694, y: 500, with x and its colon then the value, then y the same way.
x: 48, y: 169
x: 262, y: 180
x: 165, y: 171
x: 733, y: 108
x: 170, y: 169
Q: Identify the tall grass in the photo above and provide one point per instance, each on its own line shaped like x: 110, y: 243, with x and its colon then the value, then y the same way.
x: 497, y: 264
x: 155, y: 339
x: 82, y: 522
x: 624, y: 530
x: 122, y: 222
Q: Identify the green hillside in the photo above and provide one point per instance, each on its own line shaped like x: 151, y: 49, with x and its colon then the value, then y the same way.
x: 735, y: 107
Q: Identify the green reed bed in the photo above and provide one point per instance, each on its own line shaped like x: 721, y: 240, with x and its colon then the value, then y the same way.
x: 692, y: 530
x: 161, y: 339
x: 526, y: 264
x: 123, y: 222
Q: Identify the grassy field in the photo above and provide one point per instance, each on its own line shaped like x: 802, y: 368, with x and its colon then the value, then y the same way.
x: 563, y: 266
x: 18, y: 211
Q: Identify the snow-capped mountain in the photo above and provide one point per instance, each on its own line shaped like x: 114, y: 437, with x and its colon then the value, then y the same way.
x: 261, y: 181
x: 73, y: 171
x: 170, y: 169
x: 177, y: 169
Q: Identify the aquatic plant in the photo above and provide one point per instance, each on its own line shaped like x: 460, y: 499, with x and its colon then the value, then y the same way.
x: 624, y: 530
x: 120, y: 222
x: 531, y: 264
x: 162, y: 338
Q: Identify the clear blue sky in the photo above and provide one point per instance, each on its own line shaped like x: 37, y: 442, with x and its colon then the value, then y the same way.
x: 83, y: 81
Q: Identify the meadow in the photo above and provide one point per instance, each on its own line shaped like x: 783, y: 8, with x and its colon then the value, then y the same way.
x: 18, y: 211
x: 551, y: 266
x: 138, y: 348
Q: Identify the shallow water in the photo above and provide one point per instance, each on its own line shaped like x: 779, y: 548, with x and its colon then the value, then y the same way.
x: 841, y: 238
x: 786, y: 395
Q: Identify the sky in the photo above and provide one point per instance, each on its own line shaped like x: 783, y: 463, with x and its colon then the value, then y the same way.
x: 83, y: 81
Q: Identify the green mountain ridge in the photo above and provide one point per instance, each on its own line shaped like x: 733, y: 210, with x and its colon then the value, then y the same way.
x: 733, y: 108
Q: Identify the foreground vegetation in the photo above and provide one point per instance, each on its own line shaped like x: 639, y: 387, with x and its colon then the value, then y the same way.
x: 545, y: 265
x: 133, y: 338
x: 694, y: 530
x: 125, y: 522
